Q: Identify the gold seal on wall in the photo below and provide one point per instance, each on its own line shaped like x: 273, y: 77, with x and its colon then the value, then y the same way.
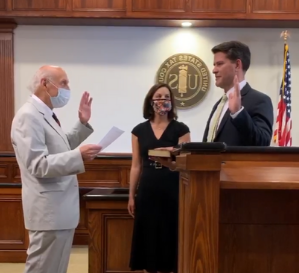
x: 188, y: 77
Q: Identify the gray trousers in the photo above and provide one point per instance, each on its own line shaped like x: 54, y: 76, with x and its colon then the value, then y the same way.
x: 49, y: 251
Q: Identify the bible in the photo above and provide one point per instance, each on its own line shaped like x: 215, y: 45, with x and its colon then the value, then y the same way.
x: 165, y: 153
x: 188, y: 147
x: 159, y: 153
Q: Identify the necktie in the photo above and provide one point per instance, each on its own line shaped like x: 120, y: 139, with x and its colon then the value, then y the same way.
x: 56, y: 119
x: 214, y: 124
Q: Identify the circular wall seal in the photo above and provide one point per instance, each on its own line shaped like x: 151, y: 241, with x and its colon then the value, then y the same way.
x: 188, y: 77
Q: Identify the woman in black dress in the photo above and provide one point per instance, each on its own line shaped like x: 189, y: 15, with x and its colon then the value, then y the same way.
x: 155, y: 208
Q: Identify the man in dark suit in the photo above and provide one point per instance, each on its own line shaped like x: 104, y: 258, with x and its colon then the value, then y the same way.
x: 243, y: 116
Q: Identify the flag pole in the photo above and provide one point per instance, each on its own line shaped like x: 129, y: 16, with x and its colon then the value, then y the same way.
x: 285, y: 34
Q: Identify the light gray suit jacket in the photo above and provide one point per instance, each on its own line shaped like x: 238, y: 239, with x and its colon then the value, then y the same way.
x: 49, y: 163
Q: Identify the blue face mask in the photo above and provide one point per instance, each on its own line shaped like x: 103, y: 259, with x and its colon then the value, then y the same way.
x: 62, y: 97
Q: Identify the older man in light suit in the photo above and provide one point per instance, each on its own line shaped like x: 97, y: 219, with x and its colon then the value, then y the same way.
x: 49, y: 161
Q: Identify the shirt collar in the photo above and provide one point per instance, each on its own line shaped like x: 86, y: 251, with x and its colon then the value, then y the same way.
x: 241, y: 85
x: 44, y: 106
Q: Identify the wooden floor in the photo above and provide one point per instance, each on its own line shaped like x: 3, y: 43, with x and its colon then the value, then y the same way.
x: 78, y: 263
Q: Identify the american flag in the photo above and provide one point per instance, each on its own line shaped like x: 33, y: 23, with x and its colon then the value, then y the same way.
x: 282, y: 134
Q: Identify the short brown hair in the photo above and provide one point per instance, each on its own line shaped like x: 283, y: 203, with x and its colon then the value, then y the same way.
x: 235, y: 50
x: 148, y: 111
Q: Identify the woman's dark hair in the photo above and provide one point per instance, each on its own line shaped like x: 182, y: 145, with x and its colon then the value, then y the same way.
x: 148, y: 111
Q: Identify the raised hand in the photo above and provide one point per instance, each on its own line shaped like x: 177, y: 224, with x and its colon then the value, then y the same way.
x: 234, y: 101
x: 85, y: 108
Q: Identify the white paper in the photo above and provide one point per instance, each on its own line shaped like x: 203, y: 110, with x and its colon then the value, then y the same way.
x: 110, y: 137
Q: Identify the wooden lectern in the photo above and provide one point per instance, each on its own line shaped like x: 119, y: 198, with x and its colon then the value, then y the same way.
x: 239, y: 209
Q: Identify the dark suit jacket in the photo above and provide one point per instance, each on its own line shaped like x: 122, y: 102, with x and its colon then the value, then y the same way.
x: 252, y: 126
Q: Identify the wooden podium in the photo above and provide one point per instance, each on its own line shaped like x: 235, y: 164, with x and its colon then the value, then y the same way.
x: 239, y: 209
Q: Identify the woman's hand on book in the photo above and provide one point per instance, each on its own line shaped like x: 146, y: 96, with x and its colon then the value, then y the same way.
x: 167, y: 162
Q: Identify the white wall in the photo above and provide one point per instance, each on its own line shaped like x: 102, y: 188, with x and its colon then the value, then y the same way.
x: 117, y: 65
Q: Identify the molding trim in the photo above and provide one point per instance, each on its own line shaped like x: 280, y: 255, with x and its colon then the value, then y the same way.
x: 6, y: 85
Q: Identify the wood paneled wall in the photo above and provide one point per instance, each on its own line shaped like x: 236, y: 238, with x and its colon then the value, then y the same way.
x: 110, y: 171
x: 6, y: 85
x: 234, y: 13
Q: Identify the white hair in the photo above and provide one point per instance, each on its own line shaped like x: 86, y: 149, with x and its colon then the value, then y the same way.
x: 43, y: 72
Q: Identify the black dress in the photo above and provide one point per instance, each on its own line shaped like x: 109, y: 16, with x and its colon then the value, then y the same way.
x: 155, y: 235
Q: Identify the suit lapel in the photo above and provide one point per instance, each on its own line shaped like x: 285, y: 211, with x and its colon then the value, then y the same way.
x: 226, y: 116
x: 222, y: 123
x: 50, y: 120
